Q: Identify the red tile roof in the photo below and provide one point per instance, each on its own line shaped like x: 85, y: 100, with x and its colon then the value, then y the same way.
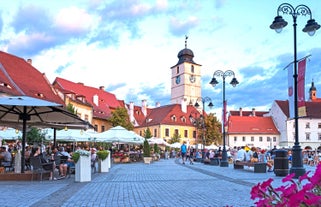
x: 106, y: 101
x: 247, y: 113
x: 18, y: 77
x: 164, y: 115
x: 313, y: 109
x: 251, y: 125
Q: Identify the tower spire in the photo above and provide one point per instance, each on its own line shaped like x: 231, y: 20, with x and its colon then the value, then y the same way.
x: 186, y: 37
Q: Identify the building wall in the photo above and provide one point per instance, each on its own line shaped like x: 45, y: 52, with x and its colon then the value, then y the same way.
x: 279, y: 119
x: 306, y: 126
x: 265, y: 143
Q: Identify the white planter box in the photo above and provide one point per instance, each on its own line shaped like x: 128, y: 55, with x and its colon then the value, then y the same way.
x: 83, y: 169
x: 104, y: 165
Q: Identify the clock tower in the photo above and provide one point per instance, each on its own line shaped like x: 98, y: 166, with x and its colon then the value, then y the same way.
x: 186, y: 78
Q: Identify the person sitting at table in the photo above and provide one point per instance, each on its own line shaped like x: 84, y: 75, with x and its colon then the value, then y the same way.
x: 5, y: 157
x: 50, y: 166
x: 63, y: 167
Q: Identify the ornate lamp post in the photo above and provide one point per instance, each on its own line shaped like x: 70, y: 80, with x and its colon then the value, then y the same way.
x: 210, y: 105
x: 278, y: 24
x: 234, y: 82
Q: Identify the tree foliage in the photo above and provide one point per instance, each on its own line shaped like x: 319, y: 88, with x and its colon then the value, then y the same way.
x: 71, y: 108
x: 213, y: 130
x: 146, y: 149
x: 120, y: 117
x: 35, y: 136
x: 176, y: 138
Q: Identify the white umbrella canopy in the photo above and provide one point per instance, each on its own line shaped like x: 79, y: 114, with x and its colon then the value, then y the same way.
x: 176, y: 145
x: 18, y: 111
x: 121, y: 135
x: 212, y: 146
x: 10, y: 134
x: 70, y: 135
x: 158, y: 141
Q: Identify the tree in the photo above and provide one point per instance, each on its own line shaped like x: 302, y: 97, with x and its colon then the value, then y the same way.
x: 71, y: 108
x: 146, y: 149
x: 35, y: 135
x: 213, y: 130
x: 120, y: 117
x: 176, y: 138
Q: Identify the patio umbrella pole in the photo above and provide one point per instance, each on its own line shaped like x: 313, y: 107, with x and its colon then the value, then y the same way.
x: 55, y: 137
x: 24, y: 118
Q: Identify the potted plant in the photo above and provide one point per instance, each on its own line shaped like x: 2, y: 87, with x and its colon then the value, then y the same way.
x: 103, y: 161
x: 146, y: 152
x: 156, y: 152
x: 82, y: 164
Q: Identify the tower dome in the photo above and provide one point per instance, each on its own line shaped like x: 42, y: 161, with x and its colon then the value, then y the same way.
x: 185, y: 55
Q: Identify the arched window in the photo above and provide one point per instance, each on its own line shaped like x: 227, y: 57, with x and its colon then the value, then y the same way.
x: 192, y: 68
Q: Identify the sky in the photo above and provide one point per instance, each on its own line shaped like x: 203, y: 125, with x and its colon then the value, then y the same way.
x: 129, y: 46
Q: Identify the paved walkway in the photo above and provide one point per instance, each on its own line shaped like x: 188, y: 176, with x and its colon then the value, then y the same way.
x: 164, y: 183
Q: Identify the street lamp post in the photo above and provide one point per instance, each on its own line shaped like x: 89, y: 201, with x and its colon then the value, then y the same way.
x: 210, y: 105
x: 234, y: 82
x: 310, y: 28
x: 196, y: 121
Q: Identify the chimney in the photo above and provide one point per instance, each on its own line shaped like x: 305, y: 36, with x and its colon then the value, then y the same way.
x: 102, y: 88
x: 157, y: 104
x: 29, y: 61
x: 183, y: 106
x: 241, y: 112
x: 253, y: 111
x: 80, y: 83
x: 144, y: 107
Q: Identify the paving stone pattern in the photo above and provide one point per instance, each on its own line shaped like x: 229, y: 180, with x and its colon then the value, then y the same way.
x: 165, y: 183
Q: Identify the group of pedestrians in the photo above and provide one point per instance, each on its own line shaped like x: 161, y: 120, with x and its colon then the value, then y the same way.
x: 187, y: 153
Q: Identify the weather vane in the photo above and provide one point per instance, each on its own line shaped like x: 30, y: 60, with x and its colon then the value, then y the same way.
x: 186, y: 37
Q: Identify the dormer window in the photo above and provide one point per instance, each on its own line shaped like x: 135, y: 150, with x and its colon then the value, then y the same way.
x: 173, y: 118
x: 5, y: 85
x: 183, y: 119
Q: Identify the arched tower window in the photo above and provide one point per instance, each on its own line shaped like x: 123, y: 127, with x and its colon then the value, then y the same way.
x: 192, y: 68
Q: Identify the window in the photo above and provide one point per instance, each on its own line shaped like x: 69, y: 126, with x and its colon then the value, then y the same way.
x: 102, y: 128
x: 319, y: 125
x: 192, y: 68
x: 307, y: 136
x: 177, y: 70
x: 268, y: 139
x: 252, y: 139
x: 173, y: 118
x: 86, y: 117
x: 319, y: 136
x: 167, y: 132
x: 185, y: 133
x: 176, y: 132
x: 307, y: 125
x: 243, y: 139
x: 235, y: 139
x: 155, y: 132
x: 194, y: 134
x: 261, y: 139
x: 274, y: 139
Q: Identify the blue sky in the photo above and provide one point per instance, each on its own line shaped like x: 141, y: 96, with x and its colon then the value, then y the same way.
x: 128, y: 46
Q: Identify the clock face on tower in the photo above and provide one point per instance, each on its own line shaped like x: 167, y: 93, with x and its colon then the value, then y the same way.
x: 192, y: 78
x: 178, y: 79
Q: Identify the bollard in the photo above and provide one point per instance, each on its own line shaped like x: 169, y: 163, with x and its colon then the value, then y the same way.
x: 281, y: 163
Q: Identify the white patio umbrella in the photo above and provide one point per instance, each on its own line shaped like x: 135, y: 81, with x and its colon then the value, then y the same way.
x: 72, y: 135
x: 176, y: 145
x: 121, y: 135
x: 158, y: 141
x: 18, y: 111
x: 10, y: 134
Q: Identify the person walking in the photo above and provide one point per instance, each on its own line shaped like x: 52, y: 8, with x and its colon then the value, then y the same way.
x: 183, y: 152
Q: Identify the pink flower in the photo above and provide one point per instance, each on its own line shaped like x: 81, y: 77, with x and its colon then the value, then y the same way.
x: 289, y: 177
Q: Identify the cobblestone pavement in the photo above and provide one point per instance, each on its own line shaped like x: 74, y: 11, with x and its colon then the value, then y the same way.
x: 164, y: 183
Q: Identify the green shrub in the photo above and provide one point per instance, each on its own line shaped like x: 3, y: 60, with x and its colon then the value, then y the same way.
x: 102, y: 154
x: 146, y: 148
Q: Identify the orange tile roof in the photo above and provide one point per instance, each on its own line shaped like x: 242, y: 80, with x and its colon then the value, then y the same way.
x: 18, y: 77
x: 106, y: 101
x: 313, y: 109
x: 251, y: 125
